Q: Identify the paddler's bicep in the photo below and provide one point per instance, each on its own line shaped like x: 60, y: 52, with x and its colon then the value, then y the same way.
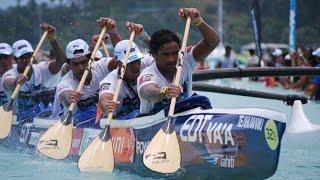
x: 9, y: 84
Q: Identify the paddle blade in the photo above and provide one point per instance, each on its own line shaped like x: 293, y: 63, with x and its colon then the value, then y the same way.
x: 5, y: 122
x: 97, y: 157
x: 56, y: 141
x: 163, y: 153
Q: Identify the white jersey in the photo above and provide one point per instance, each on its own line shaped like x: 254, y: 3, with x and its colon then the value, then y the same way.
x: 152, y: 75
x: 3, y: 97
x: 39, y: 78
x: 99, y: 70
x: 146, y: 61
x: 108, y: 84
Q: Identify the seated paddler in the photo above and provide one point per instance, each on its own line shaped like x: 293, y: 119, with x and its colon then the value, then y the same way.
x: 155, y: 87
x: 78, y: 54
x: 128, y: 103
x: 6, y: 59
x: 33, y: 96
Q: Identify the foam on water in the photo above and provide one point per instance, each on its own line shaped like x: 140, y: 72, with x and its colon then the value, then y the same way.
x: 299, y: 158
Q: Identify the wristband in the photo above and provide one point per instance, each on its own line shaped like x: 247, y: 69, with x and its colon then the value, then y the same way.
x: 53, y: 38
x: 198, y: 23
x: 164, y: 90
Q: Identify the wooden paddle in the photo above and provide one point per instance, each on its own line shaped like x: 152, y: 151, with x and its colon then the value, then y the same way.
x: 6, y: 113
x: 99, y: 154
x: 105, y: 49
x: 56, y: 141
x: 163, y: 153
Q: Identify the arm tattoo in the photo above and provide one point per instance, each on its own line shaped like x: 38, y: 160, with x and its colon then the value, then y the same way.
x: 152, y: 93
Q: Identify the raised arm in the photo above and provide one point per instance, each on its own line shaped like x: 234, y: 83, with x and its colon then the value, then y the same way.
x: 210, y: 38
x: 111, y: 26
x: 58, y: 53
x: 141, y: 34
x: 95, y: 38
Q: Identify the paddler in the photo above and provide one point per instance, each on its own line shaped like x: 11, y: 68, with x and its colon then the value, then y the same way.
x: 6, y: 59
x: 128, y: 101
x: 154, y: 84
x: 78, y: 54
x: 27, y: 104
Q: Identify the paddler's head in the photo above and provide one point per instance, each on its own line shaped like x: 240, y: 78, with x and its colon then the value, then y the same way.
x: 5, y: 58
x: 164, y: 47
x: 22, y: 51
x: 78, y: 55
x: 134, y: 59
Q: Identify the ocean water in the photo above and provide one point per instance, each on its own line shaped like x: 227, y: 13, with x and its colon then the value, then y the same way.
x: 299, y: 157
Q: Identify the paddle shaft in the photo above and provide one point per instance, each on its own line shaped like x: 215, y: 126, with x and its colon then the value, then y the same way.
x: 28, y: 68
x: 122, y: 72
x: 180, y: 64
x: 254, y: 72
x: 86, y: 72
x: 105, y: 49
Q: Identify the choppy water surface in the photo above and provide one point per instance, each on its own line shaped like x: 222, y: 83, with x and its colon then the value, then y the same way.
x: 299, y: 158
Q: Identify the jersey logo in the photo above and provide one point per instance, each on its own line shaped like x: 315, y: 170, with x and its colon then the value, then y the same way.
x: 145, y: 78
x: 105, y: 86
x: 7, y: 75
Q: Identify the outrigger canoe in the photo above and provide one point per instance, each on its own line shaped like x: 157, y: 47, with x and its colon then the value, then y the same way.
x: 214, y: 143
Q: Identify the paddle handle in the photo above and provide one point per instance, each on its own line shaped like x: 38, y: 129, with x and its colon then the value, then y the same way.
x: 180, y: 63
x: 122, y: 72
x: 105, y: 49
x: 28, y: 68
x: 86, y: 72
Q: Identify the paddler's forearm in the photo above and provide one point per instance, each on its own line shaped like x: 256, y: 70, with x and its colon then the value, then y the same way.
x: 152, y: 93
x: 60, y: 57
x: 64, y: 98
x: 115, y: 38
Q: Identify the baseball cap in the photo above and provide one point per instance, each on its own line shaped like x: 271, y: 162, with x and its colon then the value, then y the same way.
x: 121, y: 48
x: 316, y: 52
x: 99, y: 54
x: 21, y: 47
x: 277, y: 52
x: 74, y: 45
x: 287, y: 57
x: 5, y: 49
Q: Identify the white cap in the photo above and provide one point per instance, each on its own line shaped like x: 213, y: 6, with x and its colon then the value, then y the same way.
x: 21, y: 47
x: 287, y: 57
x: 99, y: 54
x: 316, y: 52
x: 5, y: 49
x: 78, y: 44
x: 121, y: 48
x: 277, y: 52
